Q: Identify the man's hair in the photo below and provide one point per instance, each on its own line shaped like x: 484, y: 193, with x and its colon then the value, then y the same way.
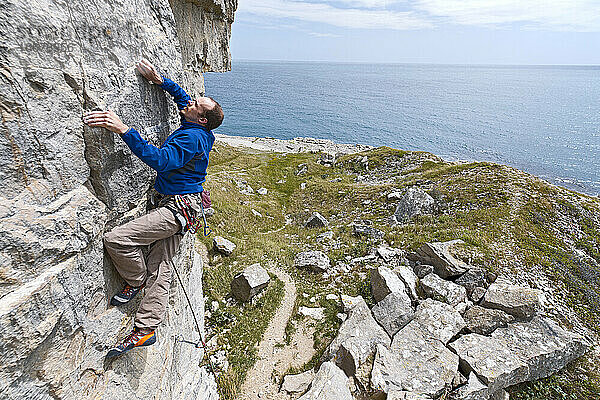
x: 214, y: 115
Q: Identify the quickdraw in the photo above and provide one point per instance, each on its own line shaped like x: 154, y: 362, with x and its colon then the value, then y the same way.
x: 193, y: 222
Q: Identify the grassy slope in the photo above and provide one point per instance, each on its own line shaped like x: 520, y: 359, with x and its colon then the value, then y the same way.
x: 511, y: 223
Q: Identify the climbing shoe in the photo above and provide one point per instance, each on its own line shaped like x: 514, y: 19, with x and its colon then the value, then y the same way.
x: 137, y: 338
x: 125, y: 295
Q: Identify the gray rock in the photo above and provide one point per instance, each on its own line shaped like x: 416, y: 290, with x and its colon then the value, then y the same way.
x: 484, y: 320
x: 357, y: 338
x: 298, y: 383
x: 312, y: 312
x: 438, y: 255
x: 395, y: 195
x: 390, y: 255
x: 417, y: 362
x: 367, y: 231
x: 384, y: 281
x: 408, y: 277
x: 223, y: 245
x: 414, y: 201
x: 250, y: 282
x: 64, y: 184
x: 438, y: 320
x: 473, y: 278
x: 477, y: 294
x: 301, y: 169
x: 500, y: 395
x: 404, y: 395
x: 330, y: 383
x: 316, y: 220
x: 473, y: 390
x: 327, y: 159
x: 393, y: 312
x: 314, y: 260
x: 439, y: 289
x: 262, y: 191
x: 521, y: 302
x: 521, y: 352
x: 422, y: 270
x: 209, y: 212
x: 325, y: 236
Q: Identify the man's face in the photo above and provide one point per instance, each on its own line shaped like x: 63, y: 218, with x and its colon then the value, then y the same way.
x: 195, y: 109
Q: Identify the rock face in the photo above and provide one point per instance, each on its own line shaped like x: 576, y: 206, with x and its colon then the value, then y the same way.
x: 521, y: 352
x: 62, y: 184
x: 249, y: 282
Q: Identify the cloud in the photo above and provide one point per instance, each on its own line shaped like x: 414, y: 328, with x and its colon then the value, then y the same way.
x: 328, y: 14
x: 323, y: 35
x: 576, y: 15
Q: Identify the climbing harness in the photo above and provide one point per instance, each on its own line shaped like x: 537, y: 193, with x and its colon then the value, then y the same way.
x: 182, y: 209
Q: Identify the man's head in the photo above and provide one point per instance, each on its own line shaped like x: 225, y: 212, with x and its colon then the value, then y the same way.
x: 204, y: 111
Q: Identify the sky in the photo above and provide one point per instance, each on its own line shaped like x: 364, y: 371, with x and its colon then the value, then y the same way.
x: 419, y: 31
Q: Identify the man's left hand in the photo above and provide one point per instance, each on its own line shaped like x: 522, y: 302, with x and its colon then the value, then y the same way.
x: 105, y: 119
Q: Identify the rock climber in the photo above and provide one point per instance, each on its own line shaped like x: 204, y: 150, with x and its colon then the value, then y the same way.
x: 180, y: 164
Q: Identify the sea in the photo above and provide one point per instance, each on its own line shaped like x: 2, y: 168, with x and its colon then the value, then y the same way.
x: 544, y: 120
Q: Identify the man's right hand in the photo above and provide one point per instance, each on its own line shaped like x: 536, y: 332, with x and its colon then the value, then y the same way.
x: 148, y: 71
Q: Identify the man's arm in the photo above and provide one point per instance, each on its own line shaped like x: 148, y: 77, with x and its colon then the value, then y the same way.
x: 175, y: 154
x: 148, y: 71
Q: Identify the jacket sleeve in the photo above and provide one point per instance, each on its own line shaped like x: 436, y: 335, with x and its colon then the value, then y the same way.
x: 179, y: 95
x: 175, y: 154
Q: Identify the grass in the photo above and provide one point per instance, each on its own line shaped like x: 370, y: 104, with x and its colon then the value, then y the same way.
x: 510, y: 222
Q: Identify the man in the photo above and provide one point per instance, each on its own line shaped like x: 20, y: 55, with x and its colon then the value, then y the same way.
x: 180, y: 164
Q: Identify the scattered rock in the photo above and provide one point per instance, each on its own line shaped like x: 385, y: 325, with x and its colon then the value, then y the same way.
x: 521, y: 352
x: 422, y: 270
x: 327, y: 159
x: 484, y: 320
x: 301, y: 169
x: 256, y: 213
x: 325, y: 236
x: 415, y: 201
x: 388, y: 253
x: 443, y: 290
x: 473, y: 278
x: 312, y: 312
x: 406, y: 275
x: 262, y: 191
x: 330, y: 383
x: 438, y: 320
x: 331, y: 296
x: 395, y: 195
x: 298, y: 383
x: 250, y: 282
x: 209, y: 212
x: 393, y: 312
x: 314, y: 260
x: 438, y: 255
x: 521, y: 302
x: 358, y: 336
x: 368, y: 231
x: 404, y: 395
x: 384, y: 281
x: 223, y: 245
x: 477, y: 294
x: 473, y: 390
x: 316, y: 220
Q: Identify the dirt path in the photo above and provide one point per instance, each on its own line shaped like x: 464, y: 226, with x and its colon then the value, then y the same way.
x: 274, y: 361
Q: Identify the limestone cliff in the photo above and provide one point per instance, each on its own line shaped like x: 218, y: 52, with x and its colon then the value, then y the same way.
x: 63, y: 184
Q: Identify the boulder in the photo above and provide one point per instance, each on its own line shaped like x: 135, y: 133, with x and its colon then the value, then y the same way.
x: 297, y: 384
x: 330, y: 383
x: 477, y: 294
x: 312, y: 312
x: 520, y: 302
x: 250, y: 282
x: 521, y: 352
x: 438, y: 255
x: 422, y: 270
x: 314, y: 260
x: 473, y: 390
x: 484, y: 320
x: 223, y: 245
x: 384, y: 281
x: 473, y: 278
x: 408, y: 277
x: 316, y: 220
x: 414, y: 201
x: 417, y: 362
x: 438, y: 320
x: 367, y: 231
x: 357, y: 338
x: 389, y: 254
x: 440, y: 289
x: 393, y: 312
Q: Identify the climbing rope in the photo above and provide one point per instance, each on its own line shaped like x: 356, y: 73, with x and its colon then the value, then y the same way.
x: 201, y: 342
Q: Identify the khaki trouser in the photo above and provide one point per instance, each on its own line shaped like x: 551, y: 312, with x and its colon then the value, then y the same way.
x: 158, y: 228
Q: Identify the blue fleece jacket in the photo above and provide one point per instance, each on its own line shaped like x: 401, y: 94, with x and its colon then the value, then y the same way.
x: 182, y: 159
